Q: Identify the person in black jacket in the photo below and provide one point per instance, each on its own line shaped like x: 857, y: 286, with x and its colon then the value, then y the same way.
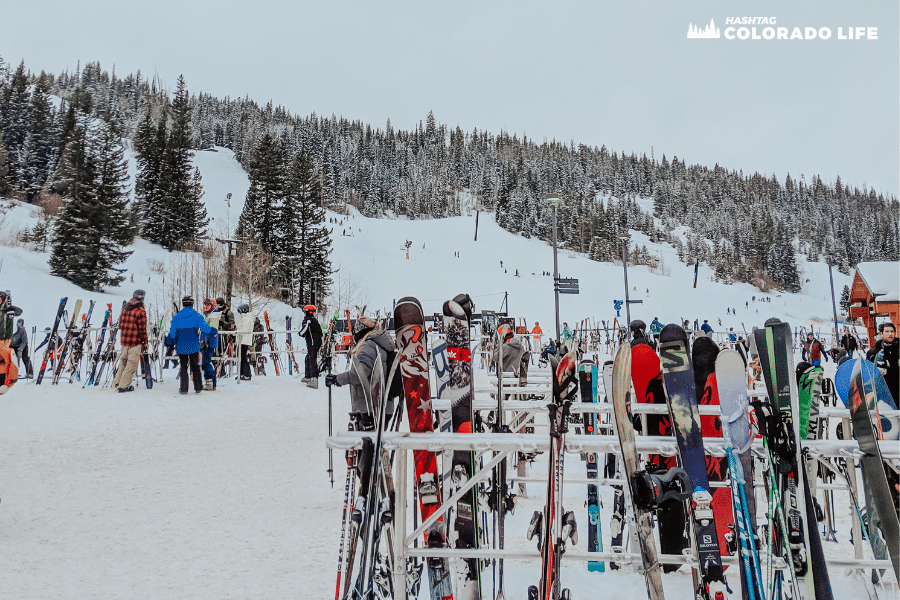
x: 312, y: 333
x: 885, y: 356
x: 19, y: 344
x: 848, y: 343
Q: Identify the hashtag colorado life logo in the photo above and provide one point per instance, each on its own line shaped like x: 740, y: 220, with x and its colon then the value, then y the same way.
x: 767, y: 28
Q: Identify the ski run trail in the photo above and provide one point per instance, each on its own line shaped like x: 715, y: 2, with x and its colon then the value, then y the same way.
x: 225, y: 494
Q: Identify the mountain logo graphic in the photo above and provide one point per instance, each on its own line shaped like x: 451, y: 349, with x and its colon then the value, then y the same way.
x: 711, y: 31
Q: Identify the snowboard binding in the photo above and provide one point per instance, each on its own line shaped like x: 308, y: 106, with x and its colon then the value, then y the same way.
x: 650, y: 490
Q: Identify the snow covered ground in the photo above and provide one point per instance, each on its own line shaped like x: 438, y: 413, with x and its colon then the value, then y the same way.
x: 225, y: 494
x: 219, y: 495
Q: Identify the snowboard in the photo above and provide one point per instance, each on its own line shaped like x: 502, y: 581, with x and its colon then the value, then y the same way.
x: 457, y: 314
x: 612, y: 470
x: 873, y: 466
x: 409, y: 325
x: 678, y: 375
x: 873, y: 381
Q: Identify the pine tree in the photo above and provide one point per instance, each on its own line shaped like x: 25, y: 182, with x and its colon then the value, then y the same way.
x: 149, y: 146
x: 38, y: 155
x: 845, y: 300
x: 182, y: 216
x: 6, y: 184
x: 302, y: 241
x: 266, y: 193
x: 95, y: 222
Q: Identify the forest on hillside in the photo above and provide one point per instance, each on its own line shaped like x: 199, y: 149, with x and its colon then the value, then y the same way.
x: 747, y: 227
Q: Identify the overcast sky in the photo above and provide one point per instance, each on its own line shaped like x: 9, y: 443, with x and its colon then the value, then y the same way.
x: 618, y: 73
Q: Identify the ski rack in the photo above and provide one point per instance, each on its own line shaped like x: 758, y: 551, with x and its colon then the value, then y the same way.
x: 505, y: 444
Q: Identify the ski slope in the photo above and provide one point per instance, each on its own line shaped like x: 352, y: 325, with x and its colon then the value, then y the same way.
x: 225, y: 494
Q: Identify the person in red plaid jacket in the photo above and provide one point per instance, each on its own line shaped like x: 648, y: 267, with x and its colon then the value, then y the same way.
x: 133, y: 328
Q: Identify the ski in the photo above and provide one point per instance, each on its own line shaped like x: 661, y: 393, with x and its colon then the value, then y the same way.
x: 556, y: 525
x: 587, y: 382
x: 621, y: 384
x: 411, y: 335
x: 678, y: 376
x: 731, y: 382
x: 51, y: 337
x: 646, y: 375
x: 107, y: 318
x: 67, y: 343
x: 78, y: 340
x: 272, y: 347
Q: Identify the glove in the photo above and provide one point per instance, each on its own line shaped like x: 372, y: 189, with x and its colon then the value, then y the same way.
x: 331, y: 380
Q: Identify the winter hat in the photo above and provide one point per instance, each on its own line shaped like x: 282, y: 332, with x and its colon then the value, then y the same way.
x: 139, y: 294
x: 187, y: 300
x: 366, y: 325
x: 21, y: 321
x: 220, y: 301
x: 209, y: 304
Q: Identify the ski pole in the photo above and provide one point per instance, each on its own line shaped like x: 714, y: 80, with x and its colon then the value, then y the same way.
x: 330, y: 451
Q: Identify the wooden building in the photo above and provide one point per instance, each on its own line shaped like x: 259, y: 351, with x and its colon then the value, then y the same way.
x: 875, y: 295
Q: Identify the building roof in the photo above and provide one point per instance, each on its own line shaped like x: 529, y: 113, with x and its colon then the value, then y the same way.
x: 882, y: 279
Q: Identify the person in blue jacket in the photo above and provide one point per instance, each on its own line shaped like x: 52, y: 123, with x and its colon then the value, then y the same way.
x: 185, y: 333
x: 706, y: 327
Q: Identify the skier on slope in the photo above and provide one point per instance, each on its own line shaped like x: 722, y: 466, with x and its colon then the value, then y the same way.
x: 185, y: 331
x: 885, y: 356
x: 311, y: 331
x: 133, y: 332
x: 371, y: 349
x: 20, y: 345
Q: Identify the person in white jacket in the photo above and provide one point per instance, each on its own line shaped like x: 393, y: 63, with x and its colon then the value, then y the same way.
x: 245, y: 339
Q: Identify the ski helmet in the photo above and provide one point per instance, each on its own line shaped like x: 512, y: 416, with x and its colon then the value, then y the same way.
x: 243, y: 308
x: 637, y: 325
x: 220, y: 301
x: 187, y: 300
x: 310, y: 309
x: 139, y: 294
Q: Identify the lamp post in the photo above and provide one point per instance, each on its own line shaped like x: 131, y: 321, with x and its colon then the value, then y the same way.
x: 553, y: 199
x: 624, y: 239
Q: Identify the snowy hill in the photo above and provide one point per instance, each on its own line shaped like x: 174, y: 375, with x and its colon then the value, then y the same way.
x: 225, y: 494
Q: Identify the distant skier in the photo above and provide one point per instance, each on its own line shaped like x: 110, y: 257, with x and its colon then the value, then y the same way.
x: 133, y: 337
x: 311, y: 331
